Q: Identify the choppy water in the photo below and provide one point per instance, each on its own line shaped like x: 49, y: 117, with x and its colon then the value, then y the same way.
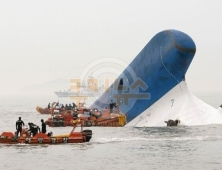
x: 122, y: 148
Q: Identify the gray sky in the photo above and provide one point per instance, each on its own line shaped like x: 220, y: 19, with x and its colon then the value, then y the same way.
x: 45, y: 40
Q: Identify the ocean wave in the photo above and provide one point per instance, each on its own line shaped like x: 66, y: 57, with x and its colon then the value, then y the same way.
x: 130, y: 139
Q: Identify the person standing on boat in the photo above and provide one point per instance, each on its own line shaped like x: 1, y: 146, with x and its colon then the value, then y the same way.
x: 73, y: 106
x: 111, y: 105
x: 19, y: 124
x: 75, y: 122
x: 66, y: 107
x: 43, y: 126
x: 49, y: 106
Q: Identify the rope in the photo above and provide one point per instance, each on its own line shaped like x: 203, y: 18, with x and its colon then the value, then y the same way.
x: 161, y: 58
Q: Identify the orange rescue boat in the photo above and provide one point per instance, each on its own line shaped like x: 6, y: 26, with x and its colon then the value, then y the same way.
x: 105, y: 119
x: 42, y: 138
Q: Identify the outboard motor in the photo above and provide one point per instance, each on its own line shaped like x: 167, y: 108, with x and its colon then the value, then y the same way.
x: 88, y: 134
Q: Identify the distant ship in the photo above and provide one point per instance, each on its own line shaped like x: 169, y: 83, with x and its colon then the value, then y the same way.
x: 80, y: 89
x: 69, y: 93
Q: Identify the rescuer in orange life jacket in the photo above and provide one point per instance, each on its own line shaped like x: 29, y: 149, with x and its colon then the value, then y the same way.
x: 75, y: 122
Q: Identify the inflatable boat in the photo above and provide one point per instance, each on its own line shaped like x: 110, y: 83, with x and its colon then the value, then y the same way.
x: 42, y: 138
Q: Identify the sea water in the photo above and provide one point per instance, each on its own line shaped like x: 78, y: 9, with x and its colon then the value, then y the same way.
x: 124, y: 148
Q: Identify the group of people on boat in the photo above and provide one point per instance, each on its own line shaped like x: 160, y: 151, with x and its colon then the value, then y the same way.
x: 33, y: 128
x: 61, y: 106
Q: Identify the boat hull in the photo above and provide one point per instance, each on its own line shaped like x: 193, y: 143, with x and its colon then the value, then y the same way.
x: 89, y: 117
x: 41, y: 138
x: 178, y: 104
x: 113, y: 120
x: 43, y: 110
x: 160, y: 68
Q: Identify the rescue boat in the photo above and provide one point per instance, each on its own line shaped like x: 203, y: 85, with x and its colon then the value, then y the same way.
x: 89, y: 117
x: 42, y: 138
x: 46, y: 110
x: 43, y: 110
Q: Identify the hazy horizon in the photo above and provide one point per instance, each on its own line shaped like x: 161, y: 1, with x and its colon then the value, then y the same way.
x: 47, y: 40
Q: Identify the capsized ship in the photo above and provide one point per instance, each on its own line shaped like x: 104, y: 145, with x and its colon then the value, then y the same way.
x: 152, y: 89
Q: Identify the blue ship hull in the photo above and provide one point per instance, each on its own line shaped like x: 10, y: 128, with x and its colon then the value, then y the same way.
x: 159, y: 67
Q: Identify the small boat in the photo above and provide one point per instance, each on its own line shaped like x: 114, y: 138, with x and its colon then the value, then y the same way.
x: 43, y: 110
x: 49, y: 110
x: 42, y: 138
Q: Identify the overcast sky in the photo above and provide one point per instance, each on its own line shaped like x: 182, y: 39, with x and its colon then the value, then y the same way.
x: 45, y: 40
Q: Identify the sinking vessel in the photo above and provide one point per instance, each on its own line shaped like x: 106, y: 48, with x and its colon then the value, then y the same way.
x: 153, y: 89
